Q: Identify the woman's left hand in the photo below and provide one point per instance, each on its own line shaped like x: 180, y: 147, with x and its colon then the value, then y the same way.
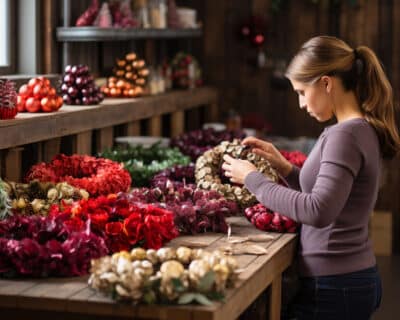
x: 237, y: 169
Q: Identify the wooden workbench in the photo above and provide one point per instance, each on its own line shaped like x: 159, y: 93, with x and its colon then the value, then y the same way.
x: 70, y: 298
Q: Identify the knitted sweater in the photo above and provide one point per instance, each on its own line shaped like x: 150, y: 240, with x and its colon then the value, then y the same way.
x: 332, y: 197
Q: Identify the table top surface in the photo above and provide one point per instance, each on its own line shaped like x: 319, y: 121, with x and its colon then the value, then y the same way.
x: 72, y: 295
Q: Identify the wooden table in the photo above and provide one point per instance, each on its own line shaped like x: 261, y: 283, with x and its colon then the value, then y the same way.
x: 71, y: 298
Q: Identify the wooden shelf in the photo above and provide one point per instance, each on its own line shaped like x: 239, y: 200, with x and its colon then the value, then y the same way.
x: 34, y: 127
x: 80, y: 34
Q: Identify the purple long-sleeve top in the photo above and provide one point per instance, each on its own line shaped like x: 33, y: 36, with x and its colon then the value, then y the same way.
x: 332, y: 196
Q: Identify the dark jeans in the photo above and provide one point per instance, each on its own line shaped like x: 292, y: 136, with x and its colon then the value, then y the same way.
x: 351, y: 296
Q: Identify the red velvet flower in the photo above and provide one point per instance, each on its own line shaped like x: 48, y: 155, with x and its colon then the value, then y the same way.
x: 114, y: 228
x: 122, y: 223
x: 133, y: 227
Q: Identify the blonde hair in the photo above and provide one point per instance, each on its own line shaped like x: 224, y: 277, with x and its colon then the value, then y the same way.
x: 360, y: 71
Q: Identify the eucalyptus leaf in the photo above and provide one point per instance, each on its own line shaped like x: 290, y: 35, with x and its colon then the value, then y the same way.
x: 206, y: 283
x: 186, y: 298
x: 202, y: 299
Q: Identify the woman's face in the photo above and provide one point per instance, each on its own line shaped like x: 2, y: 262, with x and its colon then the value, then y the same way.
x: 315, y: 99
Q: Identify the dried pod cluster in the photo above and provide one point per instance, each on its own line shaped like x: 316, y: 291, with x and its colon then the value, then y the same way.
x: 37, y: 197
x: 208, y: 170
x: 164, y: 275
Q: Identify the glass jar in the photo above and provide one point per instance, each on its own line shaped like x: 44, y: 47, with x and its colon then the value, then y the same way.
x: 158, y: 14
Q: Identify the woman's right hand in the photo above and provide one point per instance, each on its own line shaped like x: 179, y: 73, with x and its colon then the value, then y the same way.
x: 268, y: 151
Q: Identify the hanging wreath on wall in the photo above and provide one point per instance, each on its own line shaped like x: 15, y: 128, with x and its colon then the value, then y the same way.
x: 208, y: 171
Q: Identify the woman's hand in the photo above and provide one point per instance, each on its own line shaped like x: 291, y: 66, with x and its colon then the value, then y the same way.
x: 237, y: 169
x: 268, y: 151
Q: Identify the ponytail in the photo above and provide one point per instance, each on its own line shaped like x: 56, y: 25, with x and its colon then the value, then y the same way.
x: 375, y: 96
x: 360, y: 71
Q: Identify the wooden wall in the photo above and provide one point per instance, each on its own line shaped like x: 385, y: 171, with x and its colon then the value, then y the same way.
x: 228, y: 61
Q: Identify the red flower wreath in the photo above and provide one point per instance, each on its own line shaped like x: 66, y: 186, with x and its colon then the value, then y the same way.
x: 121, y: 223
x: 98, y: 176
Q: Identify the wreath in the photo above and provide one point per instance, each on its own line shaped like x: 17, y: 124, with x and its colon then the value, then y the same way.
x: 121, y: 223
x: 46, y: 246
x: 196, y: 142
x: 36, y: 197
x: 208, y: 171
x: 96, y: 175
x: 5, y: 202
x: 143, y: 163
x: 164, y: 276
x: 178, y: 176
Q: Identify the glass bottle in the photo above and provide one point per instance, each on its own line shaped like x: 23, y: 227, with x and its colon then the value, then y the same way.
x: 142, y: 13
x: 158, y: 14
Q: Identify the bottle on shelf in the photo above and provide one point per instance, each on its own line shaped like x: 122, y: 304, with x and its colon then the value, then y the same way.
x: 167, y: 74
x: 142, y: 13
x: 160, y: 80
x: 233, y: 120
x: 158, y: 14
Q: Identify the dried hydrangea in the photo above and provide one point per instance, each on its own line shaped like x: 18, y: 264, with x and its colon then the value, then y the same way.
x: 160, y: 276
x: 208, y: 171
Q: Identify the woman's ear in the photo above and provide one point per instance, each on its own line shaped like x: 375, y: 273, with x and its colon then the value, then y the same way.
x: 327, y: 82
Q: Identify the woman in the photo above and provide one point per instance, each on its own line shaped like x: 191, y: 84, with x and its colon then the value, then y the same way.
x: 335, y: 192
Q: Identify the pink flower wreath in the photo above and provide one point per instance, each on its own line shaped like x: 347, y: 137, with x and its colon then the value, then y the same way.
x: 98, y: 176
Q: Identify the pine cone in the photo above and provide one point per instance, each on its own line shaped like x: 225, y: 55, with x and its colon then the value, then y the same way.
x: 8, y: 99
x: 29, y: 209
x: 36, y: 191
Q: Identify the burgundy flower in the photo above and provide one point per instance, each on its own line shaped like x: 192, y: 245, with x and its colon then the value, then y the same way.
x: 50, y: 246
x: 28, y: 257
x: 5, y: 262
x: 79, y: 249
x: 75, y: 224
